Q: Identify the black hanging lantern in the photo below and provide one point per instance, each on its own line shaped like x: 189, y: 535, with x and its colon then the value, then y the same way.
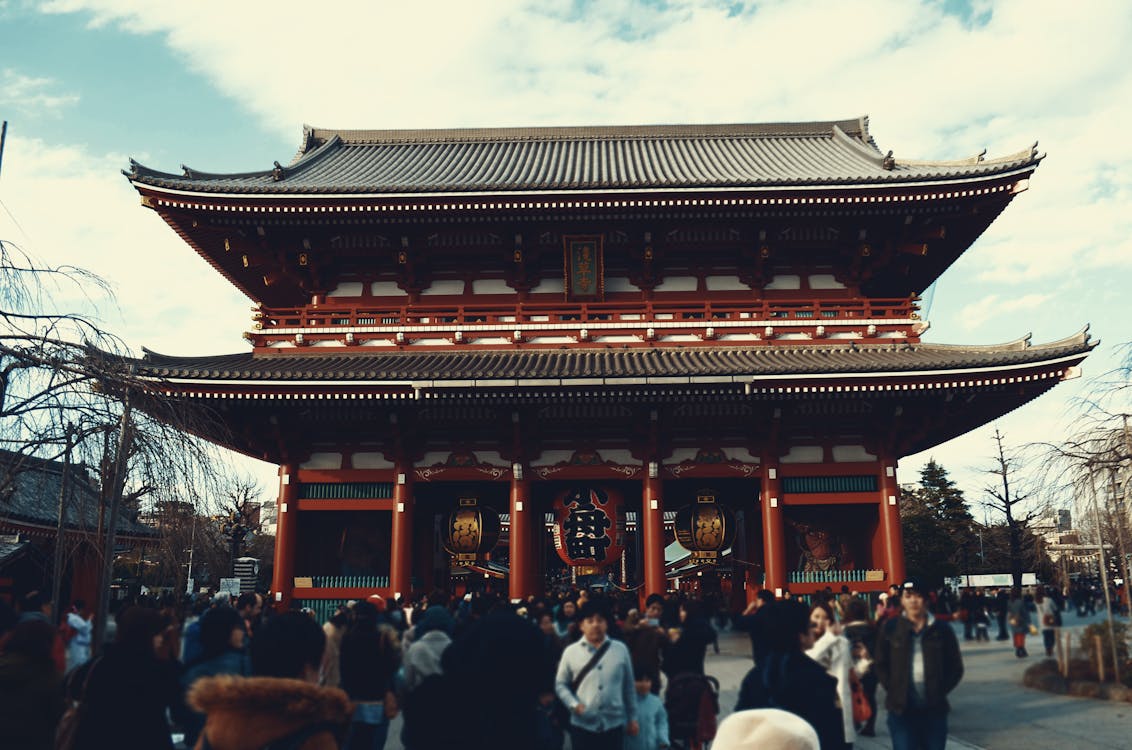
x: 705, y: 528
x: 470, y: 532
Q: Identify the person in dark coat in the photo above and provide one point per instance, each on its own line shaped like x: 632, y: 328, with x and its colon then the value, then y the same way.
x: 129, y: 689
x: 647, y: 644
x: 222, y: 638
x: 496, y: 671
x: 281, y: 705
x: 686, y: 653
x: 862, y: 636
x: 753, y: 623
x: 31, y: 690
x: 552, y: 716
x: 918, y: 663
x: 789, y: 680
x: 370, y: 657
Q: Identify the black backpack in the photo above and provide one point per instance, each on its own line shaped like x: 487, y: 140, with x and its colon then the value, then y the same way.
x: 692, y: 703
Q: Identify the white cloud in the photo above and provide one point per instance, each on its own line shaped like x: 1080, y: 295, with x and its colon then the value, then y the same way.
x: 935, y: 87
x: 31, y: 95
x: 74, y: 207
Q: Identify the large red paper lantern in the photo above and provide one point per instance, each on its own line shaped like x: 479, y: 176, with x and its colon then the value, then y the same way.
x: 589, y: 526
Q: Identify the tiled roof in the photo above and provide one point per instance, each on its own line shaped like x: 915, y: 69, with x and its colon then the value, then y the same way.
x: 35, y: 499
x: 505, y: 160
x: 608, y: 363
x: 10, y: 550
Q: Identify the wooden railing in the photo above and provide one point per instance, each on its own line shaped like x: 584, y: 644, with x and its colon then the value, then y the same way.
x: 836, y: 576
x: 535, y: 315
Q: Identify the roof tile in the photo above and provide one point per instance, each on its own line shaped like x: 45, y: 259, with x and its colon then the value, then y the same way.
x: 607, y: 363
x: 585, y: 159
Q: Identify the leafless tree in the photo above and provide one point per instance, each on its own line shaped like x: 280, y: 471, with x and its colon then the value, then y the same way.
x: 69, y: 389
x: 1017, y: 497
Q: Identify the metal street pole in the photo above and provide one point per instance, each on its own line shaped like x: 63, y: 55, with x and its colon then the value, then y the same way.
x: 1119, y: 503
x: 1104, y: 574
x: 192, y: 544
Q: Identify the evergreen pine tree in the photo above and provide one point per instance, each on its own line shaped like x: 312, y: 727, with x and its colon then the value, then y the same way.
x: 938, y: 527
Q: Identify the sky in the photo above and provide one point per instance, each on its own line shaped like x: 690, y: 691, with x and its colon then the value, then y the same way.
x: 85, y: 85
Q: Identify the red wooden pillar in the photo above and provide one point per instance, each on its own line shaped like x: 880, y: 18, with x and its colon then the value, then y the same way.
x: 84, y: 574
x: 774, y: 536
x: 752, y: 528
x: 652, y: 532
x: 892, y: 533
x: 524, y: 521
x: 401, y: 547
x: 286, y: 535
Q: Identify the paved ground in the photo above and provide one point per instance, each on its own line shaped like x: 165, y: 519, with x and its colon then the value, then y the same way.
x: 990, y: 709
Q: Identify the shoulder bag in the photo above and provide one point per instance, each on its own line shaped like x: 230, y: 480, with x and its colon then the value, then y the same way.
x: 66, y: 734
x: 577, y: 681
x: 862, y: 711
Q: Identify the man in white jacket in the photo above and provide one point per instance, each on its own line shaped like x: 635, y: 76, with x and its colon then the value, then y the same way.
x: 603, y: 704
x: 78, y: 648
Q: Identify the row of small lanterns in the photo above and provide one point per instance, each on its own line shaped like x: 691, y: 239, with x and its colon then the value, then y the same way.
x: 589, y: 528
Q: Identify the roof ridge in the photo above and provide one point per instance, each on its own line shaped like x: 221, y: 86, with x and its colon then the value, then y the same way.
x: 313, y: 136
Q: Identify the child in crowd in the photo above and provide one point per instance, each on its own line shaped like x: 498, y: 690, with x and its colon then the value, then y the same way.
x: 982, y: 621
x: 651, y: 717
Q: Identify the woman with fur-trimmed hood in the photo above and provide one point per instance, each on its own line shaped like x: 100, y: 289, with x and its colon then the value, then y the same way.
x: 282, y: 702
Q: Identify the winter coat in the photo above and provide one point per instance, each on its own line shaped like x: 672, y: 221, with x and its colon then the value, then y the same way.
x: 1018, y: 616
x: 78, y: 648
x: 127, y: 696
x: 653, y: 722
x: 369, y: 662
x: 330, y: 674
x: 834, y: 652
x: 943, y: 664
x: 686, y: 654
x: 796, y: 683
x: 58, y: 648
x: 422, y: 658
x: 230, y: 662
x: 646, y: 645
x: 1047, y: 606
x: 31, y: 702
x: 755, y: 626
x: 247, y: 713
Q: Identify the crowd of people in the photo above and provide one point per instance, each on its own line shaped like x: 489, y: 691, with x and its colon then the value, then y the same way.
x: 480, y: 671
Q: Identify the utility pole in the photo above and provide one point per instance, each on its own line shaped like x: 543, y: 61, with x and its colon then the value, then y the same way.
x: 60, y: 526
x: 192, y: 545
x: 118, y: 483
x: 1104, y: 573
x: 1118, y: 502
x: 3, y: 137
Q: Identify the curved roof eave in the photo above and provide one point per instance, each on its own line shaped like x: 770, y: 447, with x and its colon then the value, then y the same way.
x: 1021, y: 170
x: 736, y: 364
x: 834, y: 155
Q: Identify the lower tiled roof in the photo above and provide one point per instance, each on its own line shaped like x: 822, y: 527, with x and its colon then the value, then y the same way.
x: 362, y: 366
x: 34, y: 498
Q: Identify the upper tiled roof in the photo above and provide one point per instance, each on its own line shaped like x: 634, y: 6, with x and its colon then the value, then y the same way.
x: 508, y: 160
x: 484, y: 366
x: 35, y: 498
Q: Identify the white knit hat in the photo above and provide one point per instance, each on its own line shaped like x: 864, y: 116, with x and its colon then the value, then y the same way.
x: 765, y: 729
